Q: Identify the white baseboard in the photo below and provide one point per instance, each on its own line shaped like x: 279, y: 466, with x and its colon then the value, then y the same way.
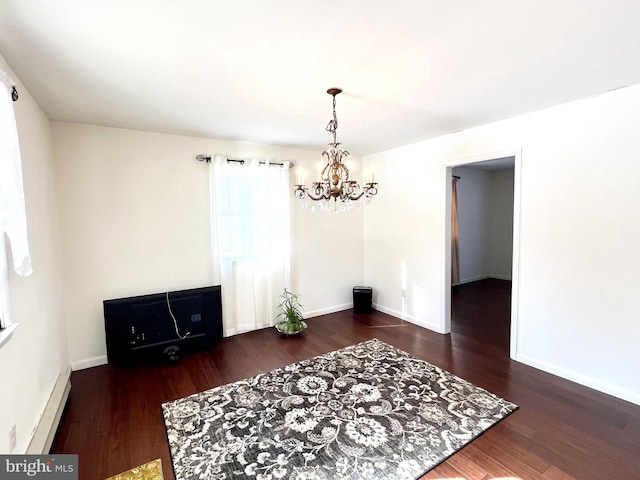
x: 45, y: 430
x: 325, y: 311
x: 624, y: 394
x: 103, y: 360
x: 500, y: 277
x: 388, y: 311
x: 89, y: 362
x: 483, y: 277
x: 409, y: 318
x: 472, y: 279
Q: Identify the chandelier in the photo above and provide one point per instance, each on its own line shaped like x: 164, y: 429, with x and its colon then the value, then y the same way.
x: 334, y: 181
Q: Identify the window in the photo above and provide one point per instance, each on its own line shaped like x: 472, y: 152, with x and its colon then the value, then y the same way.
x: 4, y: 285
x: 13, y: 218
x: 252, y: 212
x: 6, y: 327
x: 251, y: 237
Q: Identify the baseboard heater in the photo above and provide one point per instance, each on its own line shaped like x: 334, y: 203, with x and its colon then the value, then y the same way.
x: 45, y: 430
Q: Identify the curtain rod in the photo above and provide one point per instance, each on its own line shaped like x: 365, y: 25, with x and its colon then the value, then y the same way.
x: 207, y: 158
x: 456, y: 176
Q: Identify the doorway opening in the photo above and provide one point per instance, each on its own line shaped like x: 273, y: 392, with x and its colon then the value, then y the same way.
x: 482, y: 298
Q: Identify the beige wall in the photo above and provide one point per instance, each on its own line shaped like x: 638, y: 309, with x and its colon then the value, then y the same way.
x: 501, y: 224
x: 579, y: 231
x: 134, y: 220
x: 485, y: 223
x: 36, y: 355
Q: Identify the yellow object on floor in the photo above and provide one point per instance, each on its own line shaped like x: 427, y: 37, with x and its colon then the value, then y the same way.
x: 148, y: 471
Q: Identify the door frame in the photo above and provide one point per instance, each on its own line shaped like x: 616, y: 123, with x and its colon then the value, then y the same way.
x: 515, y: 271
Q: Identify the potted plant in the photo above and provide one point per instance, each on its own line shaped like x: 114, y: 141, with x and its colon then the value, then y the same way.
x: 289, y: 319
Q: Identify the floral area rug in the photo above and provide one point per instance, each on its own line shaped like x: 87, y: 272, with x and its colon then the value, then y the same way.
x: 367, y: 411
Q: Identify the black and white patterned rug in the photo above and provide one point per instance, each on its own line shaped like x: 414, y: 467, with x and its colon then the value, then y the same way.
x: 368, y: 411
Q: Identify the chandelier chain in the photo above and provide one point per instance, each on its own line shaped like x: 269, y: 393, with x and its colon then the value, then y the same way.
x: 332, y: 126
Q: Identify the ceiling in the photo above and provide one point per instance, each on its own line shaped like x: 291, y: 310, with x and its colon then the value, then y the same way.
x: 258, y: 71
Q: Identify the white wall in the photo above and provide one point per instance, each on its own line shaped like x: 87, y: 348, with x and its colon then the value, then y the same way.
x: 134, y: 220
x: 36, y: 355
x: 579, y: 231
x: 485, y: 222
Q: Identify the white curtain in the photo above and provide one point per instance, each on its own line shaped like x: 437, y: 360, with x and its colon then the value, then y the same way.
x: 250, y: 237
x: 13, y: 216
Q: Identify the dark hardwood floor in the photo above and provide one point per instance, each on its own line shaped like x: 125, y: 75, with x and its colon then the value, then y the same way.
x: 561, y: 430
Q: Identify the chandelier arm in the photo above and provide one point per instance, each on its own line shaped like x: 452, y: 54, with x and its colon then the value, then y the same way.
x: 315, y: 198
x: 370, y: 190
x: 356, y: 197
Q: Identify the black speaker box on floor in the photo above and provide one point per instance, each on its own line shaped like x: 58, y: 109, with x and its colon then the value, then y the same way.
x: 362, y: 299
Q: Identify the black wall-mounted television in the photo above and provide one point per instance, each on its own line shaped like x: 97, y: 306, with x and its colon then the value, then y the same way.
x: 162, y: 326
